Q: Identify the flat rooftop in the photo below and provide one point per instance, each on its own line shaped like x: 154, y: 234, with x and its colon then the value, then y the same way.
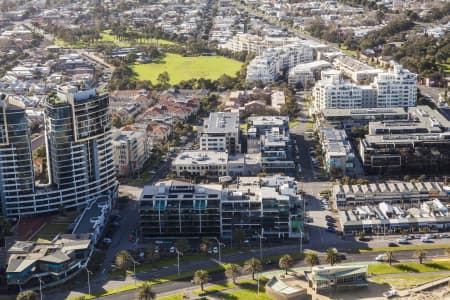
x: 198, y: 157
x: 221, y: 122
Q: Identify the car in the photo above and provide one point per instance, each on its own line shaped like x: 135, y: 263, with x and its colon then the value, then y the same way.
x: 299, y: 169
x: 443, y: 235
x: 152, y: 172
x: 426, y: 240
x: 215, y: 250
x: 107, y: 240
x: 381, y: 257
x: 172, y: 249
x: 390, y: 294
x: 311, y: 149
x: 391, y: 244
x: 403, y: 241
x: 329, y: 224
x: 331, y: 220
x: 331, y: 229
x: 328, y: 217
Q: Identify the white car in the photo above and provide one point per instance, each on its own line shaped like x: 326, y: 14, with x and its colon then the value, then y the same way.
x: 381, y: 257
x: 172, y: 249
x: 215, y: 250
x: 403, y: 241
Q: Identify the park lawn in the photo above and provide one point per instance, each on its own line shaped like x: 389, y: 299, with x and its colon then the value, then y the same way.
x: 50, y: 230
x: 248, y: 291
x: 403, y: 248
x: 293, y: 124
x: 171, y: 297
x: 185, y: 68
x: 407, y: 282
x: 215, y: 288
x: 409, y: 267
x: 108, y: 37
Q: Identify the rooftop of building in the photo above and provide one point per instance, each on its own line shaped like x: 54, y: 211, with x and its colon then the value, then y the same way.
x: 199, y: 157
x: 23, y: 253
x: 310, y: 66
x: 164, y: 188
x: 221, y: 122
x: 94, y: 211
x: 269, y: 121
x: 397, y: 187
x: 349, y: 112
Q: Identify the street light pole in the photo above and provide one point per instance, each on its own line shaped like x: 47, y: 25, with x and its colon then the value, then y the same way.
x: 220, y: 244
x: 40, y: 286
x: 178, y: 260
x: 134, y: 268
x: 261, y: 237
x: 89, y: 279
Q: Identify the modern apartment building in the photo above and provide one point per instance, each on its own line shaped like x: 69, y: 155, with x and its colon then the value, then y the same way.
x: 264, y: 205
x: 338, y: 154
x: 333, y: 92
x: 79, y: 154
x: 420, y: 144
x: 306, y: 74
x: 274, y: 61
x: 394, y: 88
x: 221, y: 132
x: 269, y: 135
x: 131, y: 149
x: 51, y: 262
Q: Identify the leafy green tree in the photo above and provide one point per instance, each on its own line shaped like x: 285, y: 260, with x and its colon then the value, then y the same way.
x: 252, y: 266
x: 27, y: 295
x: 164, y: 80
x: 285, y: 262
x: 390, y: 257
x: 122, y: 260
x: 312, y: 258
x: 205, y: 245
x: 145, y: 292
x: 201, y: 278
x: 182, y: 246
x: 421, y: 255
x: 332, y: 256
x: 233, y: 271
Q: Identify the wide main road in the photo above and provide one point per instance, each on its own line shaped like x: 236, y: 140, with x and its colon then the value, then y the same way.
x: 218, y: 276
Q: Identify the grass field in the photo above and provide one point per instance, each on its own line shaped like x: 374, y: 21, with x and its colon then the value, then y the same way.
x: 108, y: 37
x: 185, y: 68
x: 409, y: 267
x: 50, y: 230
x: 406, y: 282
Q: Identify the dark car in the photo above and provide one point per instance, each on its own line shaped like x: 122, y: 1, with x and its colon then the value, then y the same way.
x: 329, y: 217
x: 331, y: 229
x: 392, y: 245
x: 329, y: 224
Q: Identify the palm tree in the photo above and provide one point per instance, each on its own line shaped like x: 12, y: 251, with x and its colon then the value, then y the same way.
x: 285, y: 262
x: 312, y: 258
x: 27, y: 295
x: 233, y: 271
x: 332, y: 256
x: 151, y: 253
x: 201, y: 277
x: 123, y: 260
x: 145, y: 292
x: 390, y: 257
x: 205, y: 245
x: 420, y: 254
x: 252, y: 266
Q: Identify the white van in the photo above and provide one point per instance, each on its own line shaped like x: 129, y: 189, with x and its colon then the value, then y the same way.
x: 381, y: 257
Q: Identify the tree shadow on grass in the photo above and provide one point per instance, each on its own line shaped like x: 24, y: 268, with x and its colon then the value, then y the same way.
x: 219, y: 295
x: 406, y: 268
x: 436, y: 266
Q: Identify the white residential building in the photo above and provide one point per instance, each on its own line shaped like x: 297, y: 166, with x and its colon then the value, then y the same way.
x: 338, y: 154
x: 333, y: 92
x: 131, y: 149
x: 268, y: 66
x: 396, y: 88
x: 221, y: 133
x: 307, y: 73
x: 277, y: 100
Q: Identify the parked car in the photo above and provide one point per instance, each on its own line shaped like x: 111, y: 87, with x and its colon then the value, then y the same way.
x: 331, y: 229
x: 215, y: 250
x: 426, y: 240
x: 172, y: 249
x: 443, y: 235
x: 403, y: 241
x: 391, y: 244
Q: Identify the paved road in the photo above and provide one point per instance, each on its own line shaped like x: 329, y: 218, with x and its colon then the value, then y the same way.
x: 218, y: 276
x: 37, y: 142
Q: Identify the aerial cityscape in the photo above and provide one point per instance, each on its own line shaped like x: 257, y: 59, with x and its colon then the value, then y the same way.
x: 224, y: 149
